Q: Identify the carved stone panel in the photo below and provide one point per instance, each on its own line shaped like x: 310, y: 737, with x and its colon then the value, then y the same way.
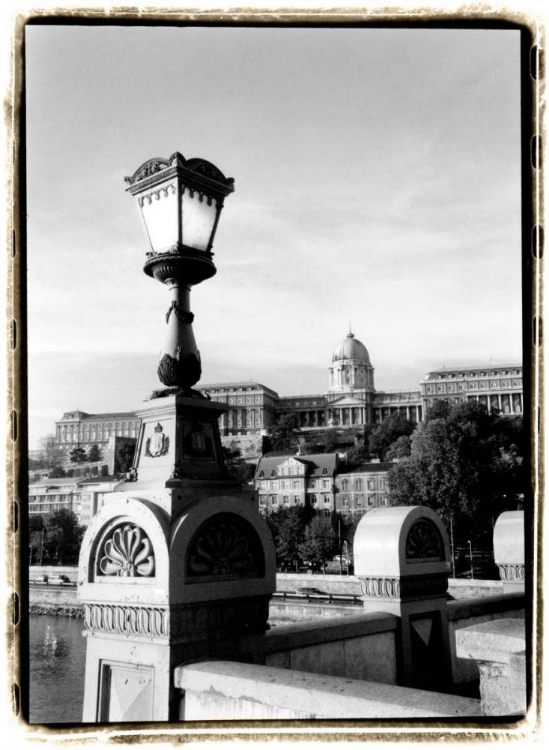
x: 125, y: 551
x: 424, y: 542
x: 226, y: 546
x: 129, y: 620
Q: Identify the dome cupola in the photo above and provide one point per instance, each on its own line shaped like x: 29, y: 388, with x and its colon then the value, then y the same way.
x: 351, y: 368
x: 352, y: 349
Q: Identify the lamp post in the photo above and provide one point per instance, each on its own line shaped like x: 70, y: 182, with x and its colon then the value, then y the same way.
x: 471, y: 558
x: 181, y: 202
x: 178, y: 566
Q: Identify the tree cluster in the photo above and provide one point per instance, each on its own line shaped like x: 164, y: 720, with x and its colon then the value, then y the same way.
x: 302, y: 536
x: 55, y: 539
x: 237, y: 467
x: 465, y: 464
x: 80, y: 456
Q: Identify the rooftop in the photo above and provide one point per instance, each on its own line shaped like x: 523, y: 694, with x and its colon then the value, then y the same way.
x: 368, y: 468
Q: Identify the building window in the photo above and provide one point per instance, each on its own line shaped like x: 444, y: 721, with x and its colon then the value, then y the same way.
x: 358, y: 484
x: 345, y: 484
x: 262, y: 500
x: 296, y: 499
x: 327, y: 512
x: 324, y: 471
x: 313, y: 500
x: 326, y: 483
x: 261, y: 473
x: 326, y: 499
x: 285, y: 499
x: 273, y: 473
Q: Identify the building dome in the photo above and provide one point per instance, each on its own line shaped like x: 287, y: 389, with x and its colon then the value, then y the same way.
x: 351, y: 348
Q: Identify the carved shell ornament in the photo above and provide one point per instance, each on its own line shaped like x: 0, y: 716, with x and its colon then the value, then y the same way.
x: 424, y: 542
x: 225, y: 545
x: 127, y: 552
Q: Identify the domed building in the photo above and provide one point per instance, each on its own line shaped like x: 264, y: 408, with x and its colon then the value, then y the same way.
x: 351, y: 384
x: 351, y: 366
x: 351, y: 401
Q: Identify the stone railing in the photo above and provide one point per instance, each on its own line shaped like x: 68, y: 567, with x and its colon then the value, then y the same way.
x: 226, y: 690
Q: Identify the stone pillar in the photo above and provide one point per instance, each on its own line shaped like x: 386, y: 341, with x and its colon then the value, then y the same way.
x: 509, y: 549
x: 402, y: 562
x: 178, y: 566
x: 499, y: 648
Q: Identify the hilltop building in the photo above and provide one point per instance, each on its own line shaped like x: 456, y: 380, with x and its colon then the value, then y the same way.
x: 351, y: 401
x: 321, y: 481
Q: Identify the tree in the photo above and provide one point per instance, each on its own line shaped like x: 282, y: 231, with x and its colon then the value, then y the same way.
x: 52, y: 455
x: 393, y: 427
x: 285, y: 433
x: 358, y: 454
x: 37, y: 532
x: 124, y: 457
x: 320, y: 542
x: 399, y: 449
x: 63, y: 537
x: 288, y: 526
x: 78, y: 456
x: 238, y: 468
x: 95, y: 453
x: 331, y: 441
x: 465, y: 464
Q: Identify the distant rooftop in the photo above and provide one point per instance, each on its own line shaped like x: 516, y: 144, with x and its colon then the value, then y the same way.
x: 472, y: 368
x: 251, y: 384
x: 84, y: 416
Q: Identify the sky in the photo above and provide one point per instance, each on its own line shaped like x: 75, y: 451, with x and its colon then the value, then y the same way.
x: 377, y: 184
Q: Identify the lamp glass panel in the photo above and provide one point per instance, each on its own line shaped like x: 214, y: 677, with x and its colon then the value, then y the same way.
x: 198, y: 220
x: 160, y: 215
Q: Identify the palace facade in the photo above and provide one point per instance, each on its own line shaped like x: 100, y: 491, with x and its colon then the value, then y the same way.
x: 351, y: 400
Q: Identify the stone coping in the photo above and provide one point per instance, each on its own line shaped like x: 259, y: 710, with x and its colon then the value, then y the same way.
x: 300, y: 634
x: 494, y: 641
x: 316, y: 696
x: 466, y: 608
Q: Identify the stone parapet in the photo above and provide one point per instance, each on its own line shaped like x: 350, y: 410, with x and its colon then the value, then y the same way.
x: 226, y: 691
x: 498, y: 647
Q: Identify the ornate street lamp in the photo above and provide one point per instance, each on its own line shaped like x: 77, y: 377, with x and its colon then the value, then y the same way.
x: 181, y: 202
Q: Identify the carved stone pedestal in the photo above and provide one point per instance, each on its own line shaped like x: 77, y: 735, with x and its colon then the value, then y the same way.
x: 402, y: 562
x: 175, y: 568
x: 509, y: 550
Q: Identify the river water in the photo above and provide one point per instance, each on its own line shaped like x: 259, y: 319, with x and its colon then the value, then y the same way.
x: 57, y: 652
